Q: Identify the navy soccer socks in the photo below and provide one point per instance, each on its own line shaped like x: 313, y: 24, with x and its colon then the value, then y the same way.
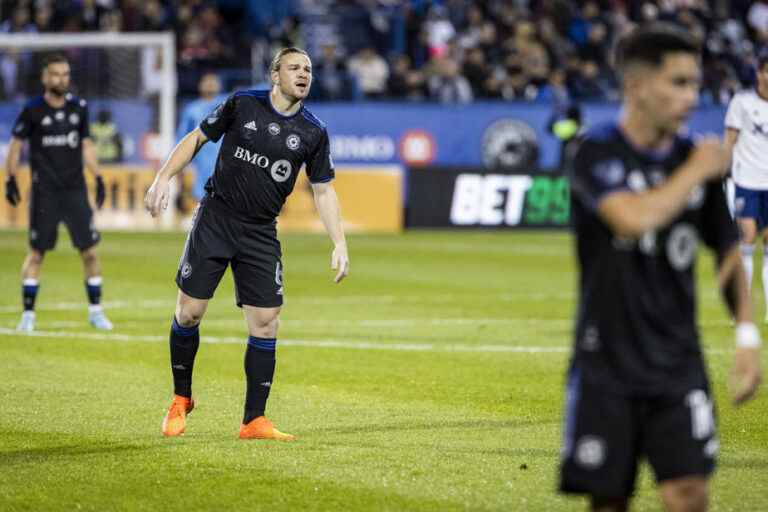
x: 93, y: 290
x: 29, y: 288
x: 184, y: 342
x: 259, y: 369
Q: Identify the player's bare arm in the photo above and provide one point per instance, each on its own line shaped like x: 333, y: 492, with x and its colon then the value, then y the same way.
x: 12, y: 193
x: 89, y: 157
x: 328, y: 207
x: 12, y: 158
x: 630, y: 214
x: 729, y: 141
x: 92, y: 164
x: 746, y: 374
x: 180, y: 157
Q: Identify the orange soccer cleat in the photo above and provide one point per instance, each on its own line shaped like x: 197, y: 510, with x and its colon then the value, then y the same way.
x: 176, y: 418
x: 262, y: 428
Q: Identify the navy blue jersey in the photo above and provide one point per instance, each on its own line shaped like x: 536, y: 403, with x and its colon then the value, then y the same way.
x: 636, y: 324
x: 262, y: 153
x: 55, y: 142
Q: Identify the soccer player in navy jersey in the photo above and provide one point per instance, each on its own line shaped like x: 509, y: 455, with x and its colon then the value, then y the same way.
x: 643, y: 198
x: 267, y: 136
x: 56, y: 125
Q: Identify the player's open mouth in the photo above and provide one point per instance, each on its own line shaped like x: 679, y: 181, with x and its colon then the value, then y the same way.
x: 301, y: 85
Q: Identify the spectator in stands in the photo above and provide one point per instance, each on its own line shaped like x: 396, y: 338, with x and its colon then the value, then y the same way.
x: 757, y: 17
x: 596, y: 46
x: 554, y: 91
x: 477, y: 72
x: 448, y: 85
x: 370, y: 71
x: 107, y: 138
x: 154, y: 17
x: 588, y: 85
x: 330, y: 76
x: 405, y: 82
x: 439, y: 30
x: 470, y: 35
x: 91, y: 12
x: 515, y: 84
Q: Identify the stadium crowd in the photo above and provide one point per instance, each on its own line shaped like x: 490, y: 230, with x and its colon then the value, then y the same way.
x: 449, y: 51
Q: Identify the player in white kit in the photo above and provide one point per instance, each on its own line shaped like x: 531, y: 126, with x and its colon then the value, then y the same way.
x: 746, y: 137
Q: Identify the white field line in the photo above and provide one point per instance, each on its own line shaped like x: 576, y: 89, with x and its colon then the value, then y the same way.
x: 416, y: 347
x: 363, y: 345
x: 341, y: 299
x: 361, y: 300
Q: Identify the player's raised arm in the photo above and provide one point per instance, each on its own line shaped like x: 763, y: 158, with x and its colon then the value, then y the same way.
x: 327, y: 203
x: 11, y: 168
x: 631, y: 214
x: 180, y: 157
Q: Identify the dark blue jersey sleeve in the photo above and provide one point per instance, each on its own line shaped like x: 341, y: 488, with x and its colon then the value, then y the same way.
x: 219, y: 121
x: 595, y: 174
x: 22, y: 128
x: 320, y: 165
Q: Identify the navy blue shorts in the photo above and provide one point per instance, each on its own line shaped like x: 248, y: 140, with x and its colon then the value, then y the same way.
x: 751, y: 204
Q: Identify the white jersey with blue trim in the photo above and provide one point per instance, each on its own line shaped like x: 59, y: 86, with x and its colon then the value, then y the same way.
x: 748, y: 113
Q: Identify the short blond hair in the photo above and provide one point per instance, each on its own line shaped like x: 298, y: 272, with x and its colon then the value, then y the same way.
x: 275, y: 66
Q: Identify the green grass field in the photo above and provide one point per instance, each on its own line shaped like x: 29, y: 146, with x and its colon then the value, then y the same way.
x: 430, y: 380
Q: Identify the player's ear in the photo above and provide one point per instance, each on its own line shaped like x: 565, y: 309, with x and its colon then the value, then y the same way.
x: 275, y: 77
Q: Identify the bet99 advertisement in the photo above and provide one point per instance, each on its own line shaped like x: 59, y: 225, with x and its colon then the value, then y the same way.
x: 485, y: 199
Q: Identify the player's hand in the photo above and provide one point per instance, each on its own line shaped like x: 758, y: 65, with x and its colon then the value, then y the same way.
x: 101, y: 192
x: 340, y: 262
x: 709, y: 157
x: 157, y: 196
x: 12, y: 194
x: 745, y: 374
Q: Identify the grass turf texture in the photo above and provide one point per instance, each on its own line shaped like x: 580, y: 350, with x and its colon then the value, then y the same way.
x: 403, y: 383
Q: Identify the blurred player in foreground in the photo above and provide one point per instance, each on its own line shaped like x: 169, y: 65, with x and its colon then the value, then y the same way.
x: 56, y: 125
x: 643, y: 198
x: 268, y: 136
x: 746, y: 139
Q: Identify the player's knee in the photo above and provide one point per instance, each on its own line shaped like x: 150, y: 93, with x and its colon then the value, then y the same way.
x: 35, y: 257
x: 609, y: 504
x: 89, y: 256
x: 265, y: 324
x: 188, y: 316
x: 687, y: 495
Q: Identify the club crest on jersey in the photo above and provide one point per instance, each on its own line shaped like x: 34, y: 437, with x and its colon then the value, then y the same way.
x: 47, y: 121
x: 74, y: 118
x: 293, y: 141
x: 273, y: 129
x: 281, y: 170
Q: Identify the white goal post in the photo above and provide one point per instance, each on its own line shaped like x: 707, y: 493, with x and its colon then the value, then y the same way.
x: 164, y: 40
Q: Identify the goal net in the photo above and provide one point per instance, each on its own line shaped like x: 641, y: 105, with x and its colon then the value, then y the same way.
x: 129, y: 82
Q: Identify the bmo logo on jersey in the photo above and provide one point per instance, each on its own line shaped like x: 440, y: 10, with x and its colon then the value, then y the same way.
x: 280, y: 170
x: 72, y: 139
x: 251, y: 158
